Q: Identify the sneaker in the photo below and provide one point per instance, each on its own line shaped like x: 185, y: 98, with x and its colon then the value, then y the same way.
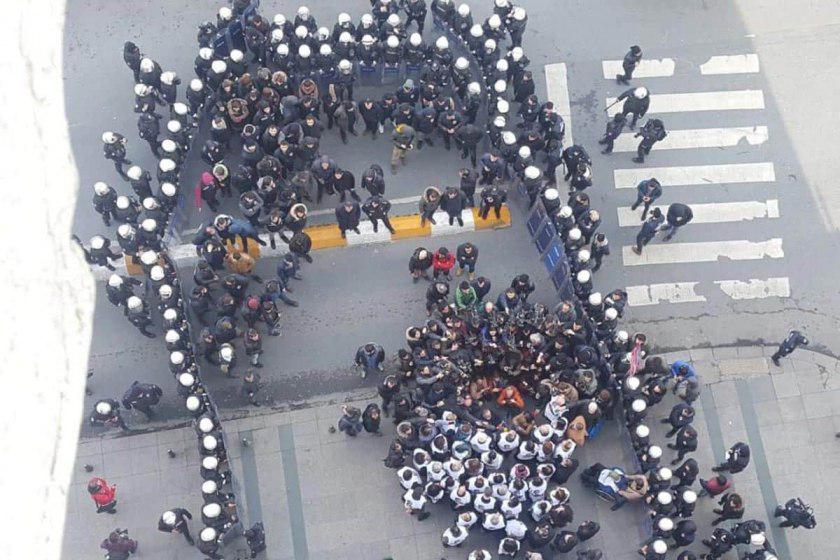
x: 637, y: 250
x: 605, y: 152
x: 638, y: 160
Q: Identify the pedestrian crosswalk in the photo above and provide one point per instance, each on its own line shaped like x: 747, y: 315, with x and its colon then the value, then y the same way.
x: 723, y: 173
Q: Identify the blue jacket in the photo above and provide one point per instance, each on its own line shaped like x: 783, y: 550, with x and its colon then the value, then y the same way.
x: 689, y: 374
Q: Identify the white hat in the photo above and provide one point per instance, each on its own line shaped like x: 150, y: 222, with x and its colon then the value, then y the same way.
x: 500, y: 86
x: 301, y: 32
x: 659, y: 546
x: 655, y: 451
x: 622, y: 336
x: 516, y: 53
x: 150, y: 203
x: 639, y: 405
x: 166, y: 165
x: 168, y: 77
x: 665, y: 473
x: 172, y: 336
x: 303, y: 12
x: 225, y: 12
x: 508, y: 137
x: 103, y: 408
x: 611, y: 314
x: 210, y: 463
x: 664, y: 498
x: 176, y: 357
x: 665, y: 524
x: 115, y: 281
x: 168, y: 189
x: 464, y: 10
x: 276, y: 35
x: 142, y: 89
x: 442, y: 43
x: 565, y: 212
x: 490, y: 44
x: 101, y: 188
x: 502, y: 65
x: 524, y: 152
x: 323, y: 33
x: 519, y: 13
x: 595, y: 298
x: 325, y: 50
x: 392, y: 41
x: 344, y: 64
x: 549, y: 194
x: 109, y: 137
x: 757, y: 539
x: 169, y: 518
x: 502, y: 106
x: 173, y: 126
x: 499, y: 122
x: 393, y: 19
x: 367, y: 19
x: 531, y: 172
x: 156, y: 273
x: 148, y: 257
x: 147, y: 65
x: 194, y: 404
x: 206, y: 425
x: 279, y: 20
x: 125, y: 230
x: 367, y: 40
x: 205, y: 53
x: 282, y: 49
x: 640, y: 92
x: 474, y: 88
x: 343, y: 18
x: 97, y: 242
x: 236, y: 55
x: 584, y: 276
x: 476, y: 30
x: 642, y: 431
x: 633, y: 383
x: 209, y: 443
x: 134, y: 302
x: 415, y: 39
x: 689, y: 496
x: 212, y: 509
x: 148, y: 225
x: 304, y: 51
x: 186, y: 379
x: 574, y: 234
x: 494, y: 21
x: 501, y: 3
x: 196, y: 85
x: 170, y: 314
x: 219, y: 66
x: 226, y: 352
x: 209, y: 487
x: 208, y: 534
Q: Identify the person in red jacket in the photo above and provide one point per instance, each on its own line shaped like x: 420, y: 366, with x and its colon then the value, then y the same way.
x: 715, y: 486
x: 104, y: 496
x: 442, y: 263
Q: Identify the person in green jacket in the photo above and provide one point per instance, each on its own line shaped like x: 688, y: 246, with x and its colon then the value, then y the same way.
x: 465, y: 297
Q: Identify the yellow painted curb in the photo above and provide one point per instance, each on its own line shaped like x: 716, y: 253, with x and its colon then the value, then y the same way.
x: 409, y: 226
x: 132, y: 267
x: 491, y: 222
x: 325, y: 236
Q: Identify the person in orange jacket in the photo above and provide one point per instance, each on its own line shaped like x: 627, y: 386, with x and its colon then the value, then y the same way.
x: 104, y: 496
x: 511, y: 398
x: 442, y: 263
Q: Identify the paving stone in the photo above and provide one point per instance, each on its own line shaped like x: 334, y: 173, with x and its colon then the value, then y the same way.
x: 725, y: 394
x: 701, y: 354
x: 750, y: 351
x: 810, y: 382
x: 741, y: 367
x: 792, y: 409
x: 768, y: 413
x: 785, y: 385
x: 817, y: 405
x: 761, y: 389
x: 725, y: 352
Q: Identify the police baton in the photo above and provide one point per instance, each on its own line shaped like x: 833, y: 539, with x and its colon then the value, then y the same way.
x: 611, y: 104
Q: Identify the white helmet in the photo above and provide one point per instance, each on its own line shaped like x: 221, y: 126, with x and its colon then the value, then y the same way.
x: 633, y: 383
x: 499, y: 122
x: 115, y: 281
x: 109, y: 137
x: 212, y: 510
x: 462, y: 63
x: 225, y: 12
x: 134, y: 303
x: 611, y: 314
x: 206, y: 425
x: 276, y: 35
x: 642, y: 431
x: 508, y: 137
x: 148, y: 257
x: 97, y: 242
x: 169, y: 518
x: 655, y: 451
x: 524, y: 152
x: 169, y: 145
x: 551, y: 194
x: 640, y: 92
x: 236, y: 55
x: 156, y: 273
x: 502, y: 106
x: 531, y: 172
x: 208, y: 534
x: 442, y: 43
x: 622, y: 336
x: 474, y: 88
x: 219, y: 66
x: 663, y: 497
x: 323, y: 33
x: 173, y: 126
x: 393, y: 20
x: 500, y: 86
x: 301, y: 32
x: 501, y: 3
x: 516, y: 53
x: 303, y: 12
x: 343, y: 18
x: 103, y: 408
x: 172, y: 336
x: 689, y: 496
x: 176, y: 357
x: 464, y: 10
x: 210, y: 463
x: 196, y: 85
x: 415, y: 39
x: 595, y: 298
x: 282, y: 49
x: 304, y: 51
x: 325, y: 50
x: 147, y: 65
x: 659, y: 546
x: 665, y: 524
x: 392, y: 41
x: 574, y: 234
x: 583, y: 256
x: 639, y: 405
x: 502, y: 65
x: 168, y: 77
x: 279, y: 20
x: 166, y: 165
x: 476, y: 30
x: 209, y: 487
x: 490, y: 44
x: 150, y: 203
x: 494, y: 21
x: 125, y: 230
x: 226, y: 352
x: 193, y: 404
x: 757, y: 539
x: 209, y: 443
x: 584, y: 276
x: 205, y: 53
x: 565, y: 212
x: 100, y: 188
x: 170, y: 314
x: 367, y: 19
x: 142, y: 90
x: 665, y: 473
x: 519, y: 13
x: 367, y: 40
x: 345, y: 65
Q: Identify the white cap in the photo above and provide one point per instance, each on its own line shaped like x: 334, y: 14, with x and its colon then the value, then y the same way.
x: 464, y: 10
x: 142, y: 89
x: 172, y: 336
x: 205, y: 53
x: 124, y: 230
x: 519, y: 13
x: 415, y: 39
x: 524, y: 152
x: 500, y: 86
x: 173, y: 126
x: 109, y: 137
x: 476, y: 30
x: 584, y: 276
x: 343, y: 18
x: 663, y: 497
x: 210, y: 463
x: 574, y: 234
x: 301, y: 32
x: 147, y: 65
x: 208, y: 534
x: 642, y: 431
x: 97, y: 242
x: 100, y: 188
x: 655, y: 451
x: 156, y: 273
x: 462, y: 63
x: 640, y: 92
x: 689, y: 496
x: 219, y: 66
x: 176, y: 357
x: 225, y: 12
x: 103, y: 408
x: 209, y: 443
x: 344, y: 64
x: 393, y: 19
x: 611, y: 314
x: 168, y: 77
x: 209, y: 487
x: 392, y: 41
x: 325, y: 50
x: 134, y: 302
x: 186, y: 379
x: 169, y: 518
x: 282, y: 49
x: 236, y: 55
x: 490, y: 44
x: 516, y: 53
x: 442, y: 43
x: 166, y: 165
x: 367, y: 40
x: 148, y: 257
x: 304, y: 51
x: 665, y: 524
x: 757, y: 539
x: 206, y: 425
x: 193, y: 404
x: 531, y: 172
x: 367, y: 19
x: 494, y: 21
x: 196, y: 85
x: 639, y: 405
x: 595, y: 298
x: 115, y: 281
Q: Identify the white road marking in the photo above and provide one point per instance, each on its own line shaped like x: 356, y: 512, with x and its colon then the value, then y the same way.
x: 731, y: 64
x: 657, y: 252
x: 676, y: 292
x: 368, y: 235
x: 442, y: 226
x: 698, y: 138
x: 711, y: 213
x: 755, y: 288
x: 697, y: 174
x: 557, y: 91
x: 647, y: 68
x: 395, y: 201
x: 699, y: 101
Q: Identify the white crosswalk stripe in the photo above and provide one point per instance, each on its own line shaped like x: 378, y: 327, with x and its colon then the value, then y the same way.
x: 690, y: 175
x: 698, y: 101
x: 675, y: 292
x: 647, y: 68
x: 731, y: 64
x: 557, y: 91
x: 755, y: 288
x: 699, y: 138
x: 708, y: 251
x: 711, y: 213
x: 665, y: 67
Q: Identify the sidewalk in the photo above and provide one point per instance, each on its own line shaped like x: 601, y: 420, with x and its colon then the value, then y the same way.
x: 325, y: 495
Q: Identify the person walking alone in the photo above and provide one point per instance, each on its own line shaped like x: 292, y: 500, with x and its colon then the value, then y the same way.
x: 649, y: 229
x: 629, y: 64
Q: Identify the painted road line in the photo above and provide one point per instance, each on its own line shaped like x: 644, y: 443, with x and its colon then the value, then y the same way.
x: 731, y: 64
x: 699, y: 101
x: 368, y: 235
x: 557, y: 91
x: 676, y: 292
x: 711, y: 251
x: 755, y: 288
x: 697, y: 175
x: 698, y: 138
x: 711, y: 213
x: 647, y: 68
x: 442, y: 226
